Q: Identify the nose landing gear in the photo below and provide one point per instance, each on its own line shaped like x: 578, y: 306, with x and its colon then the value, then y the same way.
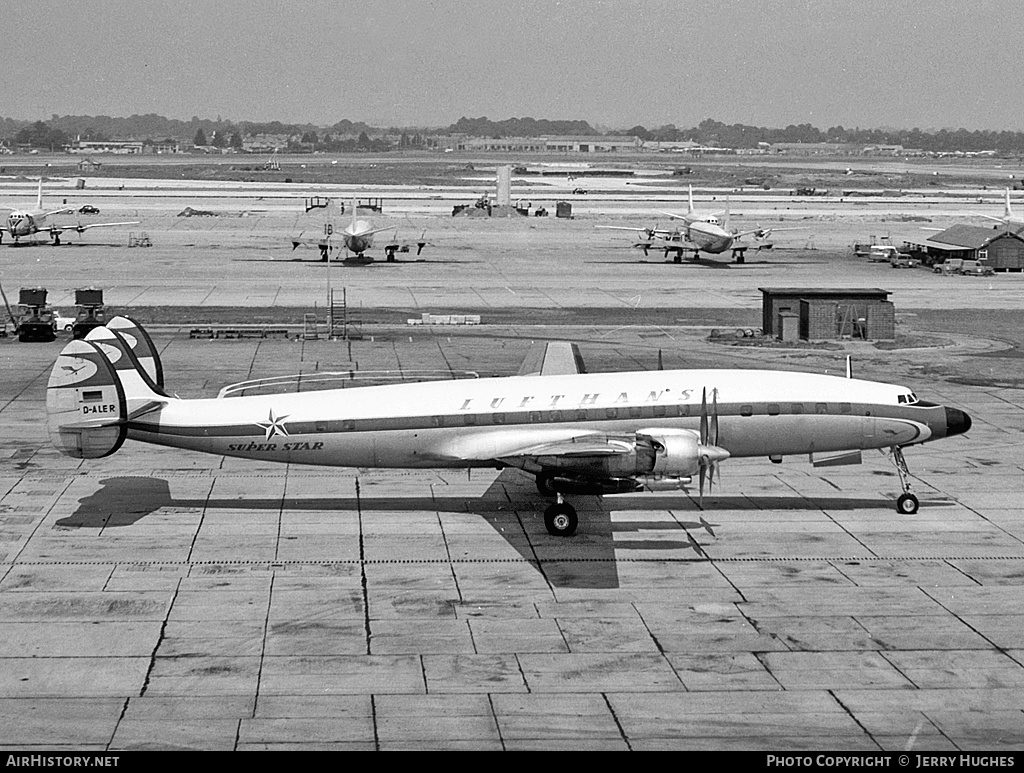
x: 907, y: 504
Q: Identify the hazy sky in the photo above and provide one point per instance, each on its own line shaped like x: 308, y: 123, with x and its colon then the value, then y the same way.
x: 615, y: 63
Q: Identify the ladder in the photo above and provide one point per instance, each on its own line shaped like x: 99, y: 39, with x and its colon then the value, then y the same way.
x: 342, y: 321
x: 310, y: 329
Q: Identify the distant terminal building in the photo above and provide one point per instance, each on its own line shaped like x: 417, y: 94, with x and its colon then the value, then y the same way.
x: 591, y: 144
x: 1002, y: 249
x: 822, y: 314
x: 814, y: 148
x: 125, y: 148
x: 545, y: 144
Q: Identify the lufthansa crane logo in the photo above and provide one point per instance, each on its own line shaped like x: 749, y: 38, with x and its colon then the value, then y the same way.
x: 274, y: 425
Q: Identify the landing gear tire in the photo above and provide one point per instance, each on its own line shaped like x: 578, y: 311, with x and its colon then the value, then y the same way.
x: 561, y: 520
x: 544, y: 486
x: 907, y: 504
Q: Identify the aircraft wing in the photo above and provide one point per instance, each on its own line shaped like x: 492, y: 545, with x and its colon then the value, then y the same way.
x: 515, y: 445
x: 56, y: 230
x: 80, y: 228
x: 989, y: 217
x: 763, y: 233
x: 321, y: 241
x: 649, y: 231
x: 553, y: 358
x: 61, y: 211
x: 405, y: 245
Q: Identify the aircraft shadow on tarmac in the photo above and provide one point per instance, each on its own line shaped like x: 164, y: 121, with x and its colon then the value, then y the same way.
x: 510, y: 505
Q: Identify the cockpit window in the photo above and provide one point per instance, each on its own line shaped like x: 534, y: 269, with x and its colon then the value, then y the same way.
x: 909, y: 399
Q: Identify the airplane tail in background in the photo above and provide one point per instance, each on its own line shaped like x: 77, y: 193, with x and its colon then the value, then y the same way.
x: 98, y: 385
x: 39, y: 196
x: 1008, y: 212
x: 690, y: 210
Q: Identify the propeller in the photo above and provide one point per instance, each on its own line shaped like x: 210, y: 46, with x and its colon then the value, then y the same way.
x: 710, y: 452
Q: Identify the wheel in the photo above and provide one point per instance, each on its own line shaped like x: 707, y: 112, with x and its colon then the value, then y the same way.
x: 544, y: 485
x: 907, y: 504
x: 561, y: 520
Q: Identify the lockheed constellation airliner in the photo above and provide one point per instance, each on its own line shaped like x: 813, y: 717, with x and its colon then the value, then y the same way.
x: 576, y: 432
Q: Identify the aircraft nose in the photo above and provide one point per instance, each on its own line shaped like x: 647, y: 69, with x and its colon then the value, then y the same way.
x: 957, y: 422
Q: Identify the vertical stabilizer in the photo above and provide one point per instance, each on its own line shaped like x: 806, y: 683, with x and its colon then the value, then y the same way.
x: 143, y: 348
x: 39, y: 196
x: 1009, y: 212
x: 690, y: 210
x: 86, y: 410
x: 139, y: 389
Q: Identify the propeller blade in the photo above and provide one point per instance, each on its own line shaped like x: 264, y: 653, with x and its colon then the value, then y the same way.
x: 713, y: 439
x: 700, y: 499
x: 704, y: 417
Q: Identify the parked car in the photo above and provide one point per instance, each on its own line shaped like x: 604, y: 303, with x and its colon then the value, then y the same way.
x: 976, y: 268
x: 89, y: 209
x: 60, y: 322
x: 949, y: 266
x: 902, y: 260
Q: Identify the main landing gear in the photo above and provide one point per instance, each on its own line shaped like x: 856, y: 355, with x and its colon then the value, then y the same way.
x: 560, y: 519
x: 907, y: 504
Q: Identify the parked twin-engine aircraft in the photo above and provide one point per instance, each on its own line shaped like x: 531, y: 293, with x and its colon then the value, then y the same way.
x: 576, y: 432
x: 28, y: 222
x: 1008, y: 218
x: 701, y: 232
x: 357, y: 238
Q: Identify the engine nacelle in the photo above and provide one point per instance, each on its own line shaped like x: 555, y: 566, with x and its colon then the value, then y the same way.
x: 676, y: 452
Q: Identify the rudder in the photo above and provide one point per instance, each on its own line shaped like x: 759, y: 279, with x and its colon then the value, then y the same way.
x: 86, y: 409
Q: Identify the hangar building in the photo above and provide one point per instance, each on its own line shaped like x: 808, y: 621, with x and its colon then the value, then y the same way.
x: 1001, y: 249
x: 816, y: 314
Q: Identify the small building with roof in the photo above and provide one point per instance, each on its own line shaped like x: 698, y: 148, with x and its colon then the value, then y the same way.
x: 1000, y: 248
x: 823, y: 314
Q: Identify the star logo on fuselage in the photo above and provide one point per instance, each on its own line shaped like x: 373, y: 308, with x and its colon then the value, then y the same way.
x: 274, y: 425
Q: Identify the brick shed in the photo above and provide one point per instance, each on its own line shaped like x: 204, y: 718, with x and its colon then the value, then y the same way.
x: 830, y: 313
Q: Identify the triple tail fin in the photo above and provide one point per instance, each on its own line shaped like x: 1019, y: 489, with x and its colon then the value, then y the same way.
x: 98, y: 385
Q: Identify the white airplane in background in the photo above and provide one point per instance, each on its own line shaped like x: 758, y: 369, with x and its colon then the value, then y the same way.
x: 28, y: 222
x: 1008, y: 218
x: 576, y: 432
x: 701, y: 232
x: 357, y: 238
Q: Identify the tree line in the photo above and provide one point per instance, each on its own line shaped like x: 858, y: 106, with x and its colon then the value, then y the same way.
x: 345, y: 135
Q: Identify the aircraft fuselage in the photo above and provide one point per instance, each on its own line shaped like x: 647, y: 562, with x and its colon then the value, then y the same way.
x: 709, y: 237
x: 466, y: 423
x: 358, y: 237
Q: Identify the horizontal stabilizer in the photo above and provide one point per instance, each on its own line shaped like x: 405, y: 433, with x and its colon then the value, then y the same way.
x: 553, y: 358
x: 835, y: 458
x: 85, y: 403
